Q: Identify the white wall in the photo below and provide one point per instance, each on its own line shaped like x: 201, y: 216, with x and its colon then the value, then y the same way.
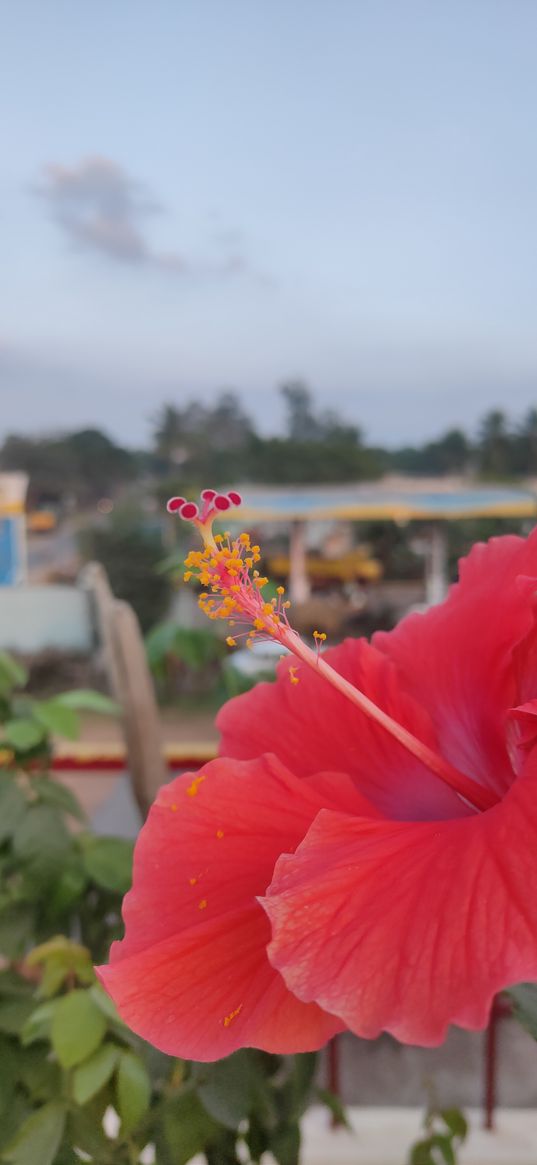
x: 34, y: 618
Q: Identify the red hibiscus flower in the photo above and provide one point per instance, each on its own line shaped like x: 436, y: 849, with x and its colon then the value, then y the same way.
x: 364, y: 855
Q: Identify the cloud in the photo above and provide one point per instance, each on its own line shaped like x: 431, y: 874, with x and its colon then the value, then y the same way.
x: 101, y: 208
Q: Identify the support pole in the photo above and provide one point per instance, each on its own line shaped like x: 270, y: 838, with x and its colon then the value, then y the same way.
x: 436, y: 579
x: 299, y: 585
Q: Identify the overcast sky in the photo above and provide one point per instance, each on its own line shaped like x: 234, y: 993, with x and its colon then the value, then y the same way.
x: 202, y: 194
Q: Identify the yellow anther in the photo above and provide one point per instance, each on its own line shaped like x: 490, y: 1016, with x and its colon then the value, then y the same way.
x: 280, y: 590
x: 187, y: 575
x: 259, y: 624
x: 232, y: 1015
x: 231, y: 642
x: 267, y: 608
x: 218, y: 539
x: 293, y: 676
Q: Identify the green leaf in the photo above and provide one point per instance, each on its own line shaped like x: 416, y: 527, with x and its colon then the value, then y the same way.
x: 85, y: 1131
x: 13, y: 1118
x: 108, y: 860
x: 12, y: 674
x: 14, y: 1014
x: 39, y: 1138
x: 15, y: 986
x: 285, y: 1145
x: 86, y: 700
x: 53, y: 793
x: 78, y: 1027
x: 104, y: 1003
x: 39, y: 1074
x: 444, y: 1146
x: 227, y: 1088
x: 57, y: 718
x: 39, y: 1023
x: 42, y: 840
x: 16, y: 929
x: 524, y: 997
x: 94, y: 1073
x: 62, y: 960
x: 187, y: 1127
x: 303, y: 1068
x: 421, y: 1154
x: 335, y: 1106
x: 23, y: 733
x: 133, y: 1091
x: 13, y: 806
x: 456, y: 1122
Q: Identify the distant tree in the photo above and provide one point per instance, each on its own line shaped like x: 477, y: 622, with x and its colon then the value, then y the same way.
x: 131, y: 552
x: 450, y: 454
x: 229, y: 426
x: 86, y: 464
x: 168, y: 435
x: 524, y: 453
x: 302, y: 424
x: 203, y: 440
x: 494, y: 445
x: 100, y: 464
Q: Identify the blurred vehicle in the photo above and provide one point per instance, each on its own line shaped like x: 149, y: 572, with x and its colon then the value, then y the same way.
x: 355, y: 566
x: 41, y: 521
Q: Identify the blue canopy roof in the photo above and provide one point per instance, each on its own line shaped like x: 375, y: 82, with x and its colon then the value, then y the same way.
x: 383, y: 501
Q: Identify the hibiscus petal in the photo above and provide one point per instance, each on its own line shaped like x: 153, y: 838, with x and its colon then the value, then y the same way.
x: 457, y: 659
x: 311, y: 726
x: 521, y: 732
x: 408, y: 927
x: 209, y: 990
x: 195, y: 934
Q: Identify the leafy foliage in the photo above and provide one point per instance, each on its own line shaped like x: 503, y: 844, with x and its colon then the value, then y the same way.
x: 67, y: 1061
x: 524, y: 1000
x: 445, y: 1131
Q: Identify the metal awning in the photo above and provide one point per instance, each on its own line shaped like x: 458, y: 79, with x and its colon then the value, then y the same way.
x: 380, y: 502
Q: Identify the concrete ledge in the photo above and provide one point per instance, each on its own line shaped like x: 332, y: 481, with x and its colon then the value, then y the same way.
x: 383, y: 1136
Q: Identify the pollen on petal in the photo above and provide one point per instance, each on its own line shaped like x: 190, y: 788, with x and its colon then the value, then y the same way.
x: 232, y: 1015
x: 202, y: 904
x: 195, y: 784
x: 219, y: 834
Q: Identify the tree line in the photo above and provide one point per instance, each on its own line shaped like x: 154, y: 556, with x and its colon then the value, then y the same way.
x: 195, y: 443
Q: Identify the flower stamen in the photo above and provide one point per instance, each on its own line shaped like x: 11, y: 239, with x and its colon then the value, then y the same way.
x: 233, y: 591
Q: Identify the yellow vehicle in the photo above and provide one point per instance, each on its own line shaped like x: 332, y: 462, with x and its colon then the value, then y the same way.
x: 355, y: 566
x: 41, y: 521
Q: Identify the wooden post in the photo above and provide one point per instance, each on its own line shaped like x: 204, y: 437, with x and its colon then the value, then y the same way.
x: 135, y: 693
x: 118, y: 634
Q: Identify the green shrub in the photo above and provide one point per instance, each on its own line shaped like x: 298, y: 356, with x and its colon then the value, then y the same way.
x: 73, y: 1078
